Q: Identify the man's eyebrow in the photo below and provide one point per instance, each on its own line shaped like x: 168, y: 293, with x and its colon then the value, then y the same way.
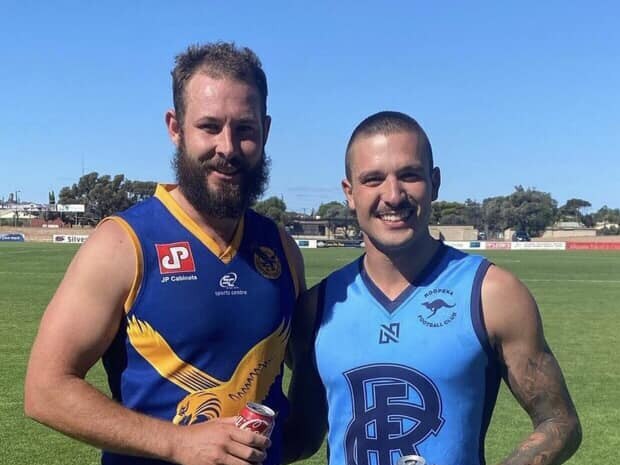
x: 208, y: 119
x: 247, y: 119
x: 369, y: 173
x: 418, y: 167
x: 215, y: 119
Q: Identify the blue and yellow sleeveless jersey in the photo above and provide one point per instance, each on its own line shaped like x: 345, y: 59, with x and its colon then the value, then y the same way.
x: 416, y: 375
x: 205, y: 330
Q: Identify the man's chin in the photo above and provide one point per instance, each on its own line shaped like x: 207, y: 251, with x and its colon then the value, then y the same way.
x: 397, y: 243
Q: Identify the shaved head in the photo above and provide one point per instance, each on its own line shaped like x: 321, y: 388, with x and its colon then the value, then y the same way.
x: 389, y: 122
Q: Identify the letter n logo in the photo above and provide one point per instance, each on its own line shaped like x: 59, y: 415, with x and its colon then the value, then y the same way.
x: 389, y: 333
x: 175, y: 258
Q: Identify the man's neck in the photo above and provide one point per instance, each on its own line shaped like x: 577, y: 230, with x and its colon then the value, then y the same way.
x: 221, y: 230
x: 393, y: 271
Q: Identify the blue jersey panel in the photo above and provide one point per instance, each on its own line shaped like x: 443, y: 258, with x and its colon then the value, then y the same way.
x: 203, y: 336
x: 411, y: 376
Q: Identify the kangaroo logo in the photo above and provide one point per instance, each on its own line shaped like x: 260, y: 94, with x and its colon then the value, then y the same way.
x: 435, y: 305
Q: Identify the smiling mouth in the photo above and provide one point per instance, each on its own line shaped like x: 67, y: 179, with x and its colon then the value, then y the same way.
x: 229, y: 173
x: 224, y: 171
x: 396, y: 216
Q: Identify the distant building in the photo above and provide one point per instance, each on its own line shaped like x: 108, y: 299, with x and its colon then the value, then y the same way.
x: 454, y: 232
x: 311, y: 229
x: 563, y: 229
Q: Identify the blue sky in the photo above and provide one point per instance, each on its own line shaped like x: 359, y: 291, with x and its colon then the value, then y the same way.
x: 509, y: 92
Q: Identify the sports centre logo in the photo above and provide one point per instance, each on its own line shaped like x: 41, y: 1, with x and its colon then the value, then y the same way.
x: 228, y: 281
x: 228, y: 285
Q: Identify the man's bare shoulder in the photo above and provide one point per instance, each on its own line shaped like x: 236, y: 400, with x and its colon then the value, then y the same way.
x: 102, y: 271
x: 111, y: 233
x: 507, y: 305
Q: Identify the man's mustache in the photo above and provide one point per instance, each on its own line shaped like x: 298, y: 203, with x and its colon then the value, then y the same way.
x: 405, y: 205
x: 232, y: 165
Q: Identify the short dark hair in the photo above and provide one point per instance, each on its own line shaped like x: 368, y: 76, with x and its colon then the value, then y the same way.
x: 388, y: 122
x: 218, y: 59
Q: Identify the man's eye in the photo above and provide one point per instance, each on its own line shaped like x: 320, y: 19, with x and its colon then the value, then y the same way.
x: 246, y: 129
x: 371, y: 181
x: 411, y: 177
x: 210, y: 128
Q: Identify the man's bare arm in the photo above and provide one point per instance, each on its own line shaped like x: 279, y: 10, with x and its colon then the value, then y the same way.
x: 77, y: 327
x: 531, y: 372
x: 540, y: 389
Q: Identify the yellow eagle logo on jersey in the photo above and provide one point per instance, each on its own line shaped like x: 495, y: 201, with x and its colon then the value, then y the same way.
x: 209, y: 397
x: 267, y: 263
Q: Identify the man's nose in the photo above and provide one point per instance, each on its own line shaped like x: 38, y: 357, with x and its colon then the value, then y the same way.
x: 394, y: 192
x: 226, y: 143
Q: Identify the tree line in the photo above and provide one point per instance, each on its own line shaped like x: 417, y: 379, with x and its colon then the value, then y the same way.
x: 103, y: 195
x: 528, y: 210
x: 524, y: 209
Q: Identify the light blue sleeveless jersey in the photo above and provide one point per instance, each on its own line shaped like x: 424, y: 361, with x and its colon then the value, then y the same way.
x: 412, y: 376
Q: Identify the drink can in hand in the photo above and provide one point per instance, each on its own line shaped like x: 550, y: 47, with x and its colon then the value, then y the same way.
x: 256, y: 417
x: 411, y: 460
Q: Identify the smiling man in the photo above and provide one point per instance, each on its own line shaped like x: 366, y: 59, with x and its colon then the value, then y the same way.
x: 402, y: 351
x: 166, y: 293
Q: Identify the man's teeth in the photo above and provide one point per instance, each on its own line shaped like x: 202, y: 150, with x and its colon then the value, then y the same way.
x: 396, y: 216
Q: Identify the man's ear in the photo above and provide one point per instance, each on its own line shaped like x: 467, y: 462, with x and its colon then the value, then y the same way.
x: 436, y: 181
x: 266, y: 127
x: 348, y: 192
x: 174, y: 127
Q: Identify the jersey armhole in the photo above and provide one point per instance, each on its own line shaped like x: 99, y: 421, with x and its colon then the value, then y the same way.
x: 138, y: 273
x: 492, y: 370
x: 477, y: 315
x: 318, y: 319
x: 291, y: 263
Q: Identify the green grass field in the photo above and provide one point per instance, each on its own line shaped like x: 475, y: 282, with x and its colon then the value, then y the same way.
x: 578, y: 294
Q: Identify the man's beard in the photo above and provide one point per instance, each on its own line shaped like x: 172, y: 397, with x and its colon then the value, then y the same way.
x: 230, y: 200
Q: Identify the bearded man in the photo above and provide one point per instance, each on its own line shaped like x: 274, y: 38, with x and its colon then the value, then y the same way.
x: 166, y: 292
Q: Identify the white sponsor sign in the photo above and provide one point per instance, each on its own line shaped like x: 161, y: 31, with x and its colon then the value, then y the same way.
x: 70, y: 208
x: 69, y: 238
x: 538, y: 246
x: 307, y: 243
x: 466, y: 245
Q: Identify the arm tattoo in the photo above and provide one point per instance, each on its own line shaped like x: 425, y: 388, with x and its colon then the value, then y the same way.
x: 539, y: 387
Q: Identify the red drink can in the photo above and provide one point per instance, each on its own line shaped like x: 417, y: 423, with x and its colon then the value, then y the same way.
x: 256, y: 417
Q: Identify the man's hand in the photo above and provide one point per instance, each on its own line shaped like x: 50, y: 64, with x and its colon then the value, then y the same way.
x: 219, y: 442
